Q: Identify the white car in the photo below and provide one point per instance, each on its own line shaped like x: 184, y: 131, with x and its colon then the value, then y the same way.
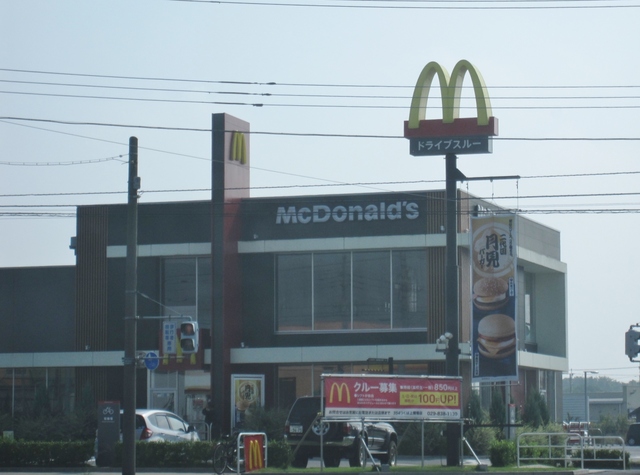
x: 152, y: 425
x: 157, y: 425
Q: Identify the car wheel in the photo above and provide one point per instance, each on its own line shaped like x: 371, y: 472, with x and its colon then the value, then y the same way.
x: 391, y: 456
x: 631, y: 441
x: 300, y: 461
x: 359, y: 456
x: 320, y: 428
x: 331, y: 459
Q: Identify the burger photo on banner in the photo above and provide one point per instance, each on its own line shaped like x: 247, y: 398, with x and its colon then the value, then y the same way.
x: 493, y: 293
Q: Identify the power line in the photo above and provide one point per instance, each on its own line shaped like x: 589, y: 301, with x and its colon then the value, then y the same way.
x: 69, y: 163
x: 341, y: 184
x: 298, y: 95
x: 391, y: 6
x: 307, y: 134
x: 279, y: 84
x: 312, y: 106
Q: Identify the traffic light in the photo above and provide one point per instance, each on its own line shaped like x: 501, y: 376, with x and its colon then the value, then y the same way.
x: 631, y: 346
x: 189, y: 337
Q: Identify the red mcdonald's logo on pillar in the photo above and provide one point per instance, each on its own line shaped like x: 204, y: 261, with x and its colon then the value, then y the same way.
x: 254, y: 452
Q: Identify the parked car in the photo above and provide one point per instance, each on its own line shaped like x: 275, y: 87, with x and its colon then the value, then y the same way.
x: 156, y: 425
x: 152, y: 425
x: 633, y: 434
x: 341, y: 439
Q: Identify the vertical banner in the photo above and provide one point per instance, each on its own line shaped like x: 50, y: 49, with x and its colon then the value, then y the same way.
x: 254, y: 452
x: 493, y: 278
x: 247, y: 393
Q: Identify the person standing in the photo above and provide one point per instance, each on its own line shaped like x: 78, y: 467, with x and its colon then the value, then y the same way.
x: 209, y: 419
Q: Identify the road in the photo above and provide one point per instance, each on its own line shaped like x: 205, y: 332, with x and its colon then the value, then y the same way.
x: 403, y: 461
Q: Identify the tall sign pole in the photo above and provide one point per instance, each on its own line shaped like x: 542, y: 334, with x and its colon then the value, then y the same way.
x: 450, y: 137
x: 452, y: 320
x: 131, y: 315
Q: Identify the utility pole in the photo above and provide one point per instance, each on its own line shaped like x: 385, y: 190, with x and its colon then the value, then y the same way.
x: 131, y: 316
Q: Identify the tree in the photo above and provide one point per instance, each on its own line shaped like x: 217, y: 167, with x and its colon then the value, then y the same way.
x: 497, y: 411
x: 601, y: 384
x: 41, y: 404
x: 536, y: 411
x: 475, y: 411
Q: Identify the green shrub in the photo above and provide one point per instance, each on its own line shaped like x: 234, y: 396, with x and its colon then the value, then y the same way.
x: 79, y: 425
x: 20, y: 453
x: 435, y: 442
x: 279, y: 454
x: 168, y: 454
x: 610, y: 425
x: 502, y: 453
x: 480, y: 439
x: 269, y: 421
x: 591, y: 458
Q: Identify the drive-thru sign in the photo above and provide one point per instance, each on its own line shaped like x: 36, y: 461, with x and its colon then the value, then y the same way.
x: 392, y: 397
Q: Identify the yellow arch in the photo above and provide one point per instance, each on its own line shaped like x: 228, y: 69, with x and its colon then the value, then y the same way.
x: 451, y: 88
x: 238, y: 148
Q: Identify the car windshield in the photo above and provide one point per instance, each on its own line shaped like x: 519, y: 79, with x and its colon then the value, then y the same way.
x: 305, y: 406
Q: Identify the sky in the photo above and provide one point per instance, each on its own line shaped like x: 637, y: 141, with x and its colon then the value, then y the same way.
x: 326, y: 87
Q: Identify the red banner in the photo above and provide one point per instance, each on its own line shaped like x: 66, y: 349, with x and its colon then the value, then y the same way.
x: 253, y: 452
x: 392, y: 397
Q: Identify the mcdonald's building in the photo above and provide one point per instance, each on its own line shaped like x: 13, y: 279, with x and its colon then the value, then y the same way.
x: 284, y: 289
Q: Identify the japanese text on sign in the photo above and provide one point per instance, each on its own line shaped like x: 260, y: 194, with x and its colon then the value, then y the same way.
x: 392, y: 397
x: 444, y: 145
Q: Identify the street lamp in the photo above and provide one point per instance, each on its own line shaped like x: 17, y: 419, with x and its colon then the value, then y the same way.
x: 586, y: 398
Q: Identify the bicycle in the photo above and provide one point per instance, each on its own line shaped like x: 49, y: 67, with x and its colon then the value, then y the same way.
x: 225, y: 455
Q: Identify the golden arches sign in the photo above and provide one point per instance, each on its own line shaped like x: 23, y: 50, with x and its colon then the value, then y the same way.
x: 238, y: 151
x: 450, y: 88
x: 451, y: 134
x: 255, y: 458
x: 339, y: 388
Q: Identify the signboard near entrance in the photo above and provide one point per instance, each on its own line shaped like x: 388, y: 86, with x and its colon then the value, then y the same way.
x: 108, y: 431
x: 392, y: 397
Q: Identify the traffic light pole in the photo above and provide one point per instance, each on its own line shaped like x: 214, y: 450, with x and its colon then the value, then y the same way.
x: 131, y: 315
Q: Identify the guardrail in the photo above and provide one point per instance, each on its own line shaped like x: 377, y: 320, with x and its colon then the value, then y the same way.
x: 563, y: 446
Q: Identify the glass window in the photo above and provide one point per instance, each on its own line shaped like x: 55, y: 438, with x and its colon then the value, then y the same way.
x: 335, y: 291
x: 410, y: 289
x: 162, y: 422
x: 293, y: 292
x: 176, y: 424
x: 529, y: 315
x: 187, y: 288
x: 204, y: 292
x: 180, y: 285
x: 371, y: 290
x: 332, y: 291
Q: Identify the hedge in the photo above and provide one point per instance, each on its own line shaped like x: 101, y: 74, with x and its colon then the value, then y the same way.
x: 22, y: 453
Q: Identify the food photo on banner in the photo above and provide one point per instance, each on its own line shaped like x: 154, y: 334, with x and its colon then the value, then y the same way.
x: 494, y: 265
x: 246, y: 395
